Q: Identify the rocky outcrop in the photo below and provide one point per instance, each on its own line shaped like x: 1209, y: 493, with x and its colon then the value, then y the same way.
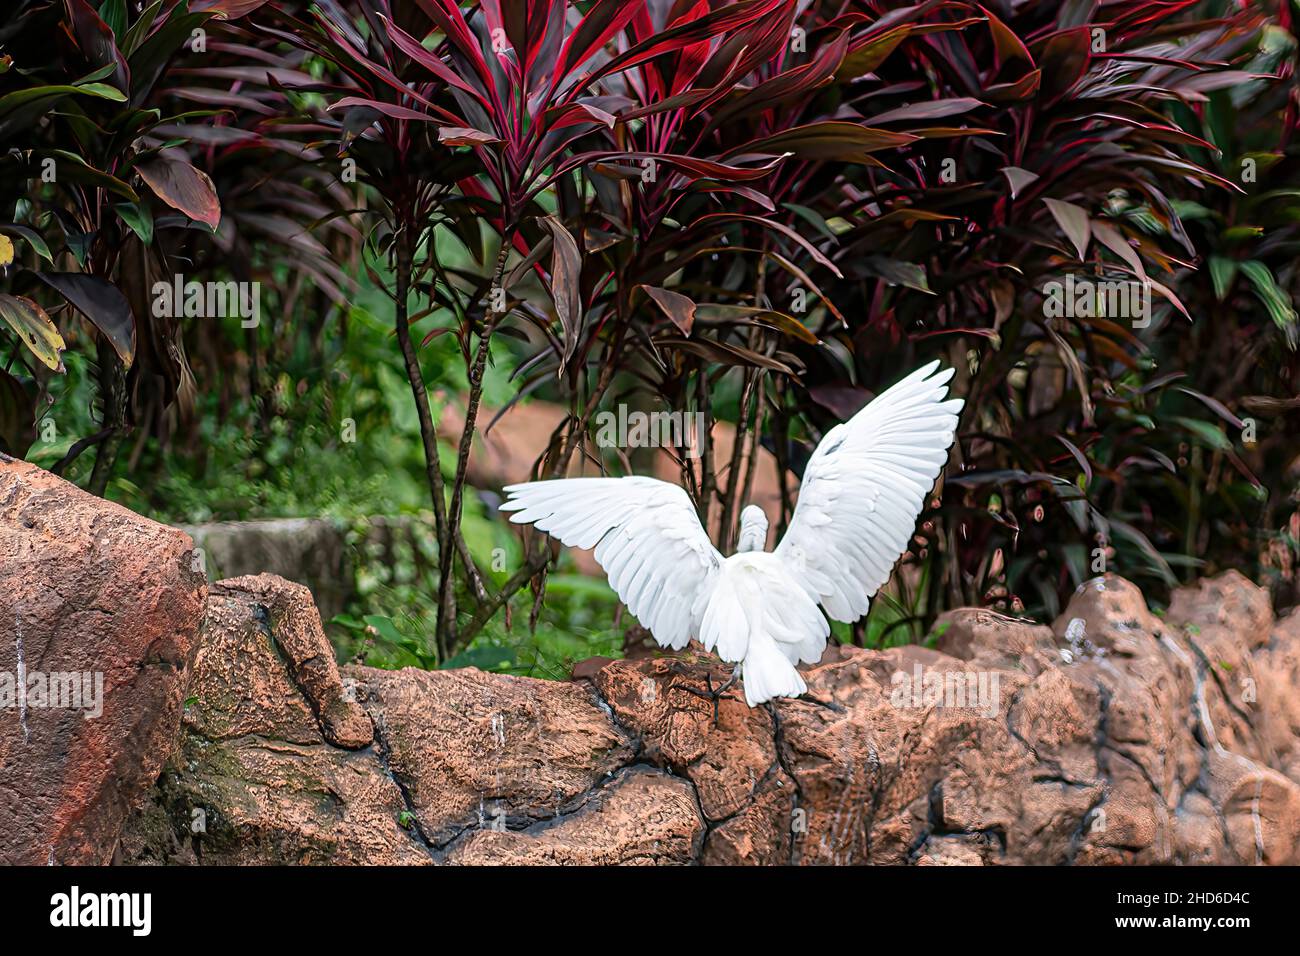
x: 1115, y: 735
x: 283, y: 759
x: 100, y: 609
x: 1112, y: 737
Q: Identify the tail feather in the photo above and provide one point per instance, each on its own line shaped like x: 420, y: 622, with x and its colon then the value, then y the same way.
x: 768, y: 673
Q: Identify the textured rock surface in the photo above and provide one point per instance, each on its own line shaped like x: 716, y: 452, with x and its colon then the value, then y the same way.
x: 1113, y: 736
x: 281, y: 759
x: 229, y: 735
x: 89, y: 592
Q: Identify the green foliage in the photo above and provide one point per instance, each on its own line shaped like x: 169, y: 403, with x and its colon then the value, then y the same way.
x: 763, y: 211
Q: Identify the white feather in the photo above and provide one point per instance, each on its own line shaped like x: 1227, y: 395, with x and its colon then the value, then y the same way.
x: 862, y: 491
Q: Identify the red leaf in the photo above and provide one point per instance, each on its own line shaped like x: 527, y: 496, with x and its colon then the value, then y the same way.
x: 830, y: 139
x: 604, y: 19
x: 679, y: 308
x: 932, y: 109
x: 1065, y: 60
x: 183, y: 187
x: 566, y: 269
x: 412, y: 48
x: 388, y: 109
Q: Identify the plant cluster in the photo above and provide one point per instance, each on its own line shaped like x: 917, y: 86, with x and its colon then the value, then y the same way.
x: 763, y: 211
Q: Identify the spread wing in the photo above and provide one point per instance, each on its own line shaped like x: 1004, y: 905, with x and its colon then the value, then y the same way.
x: 863, y: 489
x: 647, y: 538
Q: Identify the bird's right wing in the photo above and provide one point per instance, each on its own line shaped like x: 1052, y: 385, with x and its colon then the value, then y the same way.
x: 863, y: 489
x: 647, y: 538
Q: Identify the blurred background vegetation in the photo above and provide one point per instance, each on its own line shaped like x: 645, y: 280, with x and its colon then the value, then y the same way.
x: 915, y: 173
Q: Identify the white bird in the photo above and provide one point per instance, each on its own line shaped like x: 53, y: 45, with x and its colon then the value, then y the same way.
x: 861, y: 494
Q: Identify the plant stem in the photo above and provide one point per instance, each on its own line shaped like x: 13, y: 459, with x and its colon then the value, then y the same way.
x: 428, y: 432
x: 476, y: 372
x: 112, y: 383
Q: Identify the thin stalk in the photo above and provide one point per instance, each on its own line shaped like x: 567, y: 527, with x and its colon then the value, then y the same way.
x: 428, y: 432
x: 446, y: 580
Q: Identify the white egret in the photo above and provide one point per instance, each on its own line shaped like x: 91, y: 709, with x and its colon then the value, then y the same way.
x: 858, y: 503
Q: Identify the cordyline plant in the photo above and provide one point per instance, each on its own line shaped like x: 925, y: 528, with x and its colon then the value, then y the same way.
x: 1044, y: 144
x: 107, y: 134
x: 761, y: 210
x: 777, y: 205
x: 500, y: 117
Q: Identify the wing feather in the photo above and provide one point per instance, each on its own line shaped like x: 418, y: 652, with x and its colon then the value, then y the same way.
x: 864, y: 488
x: 646, y: 536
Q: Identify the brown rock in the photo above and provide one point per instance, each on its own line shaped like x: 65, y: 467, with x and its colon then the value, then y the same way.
x: 1274, y: 700
x: 1111, y: 737
x: 86, y: 588
x: 274, y: 762
x: 293, y: 623
x: 469, y: 747
x: 642, y: 817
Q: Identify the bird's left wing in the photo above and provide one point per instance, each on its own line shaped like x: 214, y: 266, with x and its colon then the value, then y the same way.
x: 647, y: 537
x: 863, y: 489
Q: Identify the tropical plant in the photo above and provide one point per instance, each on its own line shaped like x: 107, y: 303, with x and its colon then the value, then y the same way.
x: 761, y: 210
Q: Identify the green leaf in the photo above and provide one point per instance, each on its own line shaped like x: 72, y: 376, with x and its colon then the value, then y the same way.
x: 71, y: 166
x: 139, y: 218
x: 1276, y: 299
x: 1209, y: 433
x: 38, y: 94
x: 485, y: 658
x: 139, y: 30
x: 385, y: 628
x: 103, y: 90
x: 35, y: 329
x: 113, y: 13
x: 31, y: 236
x: 1222, y: 271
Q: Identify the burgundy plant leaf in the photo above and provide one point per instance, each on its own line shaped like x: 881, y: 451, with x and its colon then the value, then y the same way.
x: 566, y: 270
x: 830, y: 139
x: 97, y: 43
x: 412, y: 48
x: 102, y: 303
x: 679, y: 308
x: 391, y: 110
x: 1064, y: 61
x: 933, y: 109
x: 604, y: 19
x: 463, y: 136
x: 1073, y: 221
x: 182, y: 187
